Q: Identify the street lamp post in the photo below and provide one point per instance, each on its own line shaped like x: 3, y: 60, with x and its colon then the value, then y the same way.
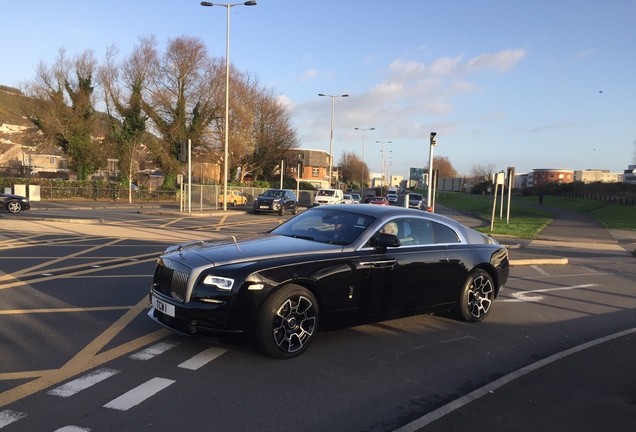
x: 333, y: 97
x: 383, y: 160
x: 430, y: 171
x: 364, y: 135
x: 227, y: 89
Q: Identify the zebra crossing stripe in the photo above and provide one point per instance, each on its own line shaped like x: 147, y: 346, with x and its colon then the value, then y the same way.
x: 83, y: 382
x: 139, y: 394
x: 7, y: 417
x: 202, y: 358
x: 73, y: 429
x: 153, y: 351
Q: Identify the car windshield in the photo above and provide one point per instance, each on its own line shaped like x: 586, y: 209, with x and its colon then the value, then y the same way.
x: 415, y: 197
x: 326, y: 226
x: 326, y: 193
x: 274, y: 193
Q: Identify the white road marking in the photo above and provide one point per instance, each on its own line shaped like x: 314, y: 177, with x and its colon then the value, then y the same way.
x: 154, y: 350
x: 139, y: 394
x: 202, y: 358
x: 540, y: 270
x: 73, y: 429
x: 429, y: 418
x: 526, y: 296
x: 83, y: 382
x: 7, y: 417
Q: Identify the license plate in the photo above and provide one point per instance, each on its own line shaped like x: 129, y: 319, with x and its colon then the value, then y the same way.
x: 163, y: 307
x: 264, y: 207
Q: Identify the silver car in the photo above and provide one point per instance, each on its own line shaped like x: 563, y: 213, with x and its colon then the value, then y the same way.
x: 416, y: 201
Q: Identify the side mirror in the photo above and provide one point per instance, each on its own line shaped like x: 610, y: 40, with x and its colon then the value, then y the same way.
x: 384, y: 241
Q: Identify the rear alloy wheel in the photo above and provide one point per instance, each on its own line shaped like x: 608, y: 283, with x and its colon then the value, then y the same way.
x: 288, y: 322
x: 14, y: 207
x: 476, y: 298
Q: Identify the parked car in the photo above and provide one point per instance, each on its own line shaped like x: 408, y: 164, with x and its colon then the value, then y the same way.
x: 368, y: 198
x: 14, y: 203
x: 392, y: 198
x: 356, y: 198
x: 416, y: 201
x: 379, y: 200
x: 234, y: 198
x: 347, y: 199
x: 328, y: 196
x: 330, y: 267
x: 277, y: 201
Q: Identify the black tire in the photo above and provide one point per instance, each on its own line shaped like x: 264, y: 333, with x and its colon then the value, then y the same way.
x: 14, y: 207
x: 256, y: 212
x: 281, y: 212
x: 476, y: 297
x: 288, y: 322
x: 295, y: 210
x: 234, y: 204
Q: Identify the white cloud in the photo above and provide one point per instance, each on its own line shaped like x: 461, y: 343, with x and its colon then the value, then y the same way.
x: 586, y: 53
x: 500, y: 62
x: 308, y: 74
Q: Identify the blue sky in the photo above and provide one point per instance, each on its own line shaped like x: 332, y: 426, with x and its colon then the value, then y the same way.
x: 507, y: 83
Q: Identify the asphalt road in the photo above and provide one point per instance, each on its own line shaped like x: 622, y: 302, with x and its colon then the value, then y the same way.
x: 78, y: 350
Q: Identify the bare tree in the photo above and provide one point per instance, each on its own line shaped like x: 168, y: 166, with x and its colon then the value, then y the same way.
x: 181, y: 96
x: 353, y: 169
x: 272, y: 134
x: 482, y: 173
x: 444, y: 167
x: 122, y: 93
x: 63, y: 108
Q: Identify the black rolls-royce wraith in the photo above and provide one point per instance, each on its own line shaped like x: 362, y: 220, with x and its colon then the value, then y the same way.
x: 329, y: 267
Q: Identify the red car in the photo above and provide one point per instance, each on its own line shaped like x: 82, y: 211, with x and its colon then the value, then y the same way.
x: 379, y: 200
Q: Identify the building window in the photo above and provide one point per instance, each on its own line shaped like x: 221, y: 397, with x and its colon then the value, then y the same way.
x: 52, y: 161
x: 315, y: 172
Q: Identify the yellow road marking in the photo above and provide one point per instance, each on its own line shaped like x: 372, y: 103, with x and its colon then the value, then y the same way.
x: 48, y: 263
x: 87, y: 358
x: 141, y: 259
x: 221, y: 222
x: 63, y: 310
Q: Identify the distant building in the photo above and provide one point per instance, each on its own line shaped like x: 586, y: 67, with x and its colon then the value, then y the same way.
x: 591, y: 176
x: 314, y: 167
x: 542, y: 176
x: 629, y: 176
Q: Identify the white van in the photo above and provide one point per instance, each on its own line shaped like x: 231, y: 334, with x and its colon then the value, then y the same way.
x: 393, y: 190
x: 328, y: 196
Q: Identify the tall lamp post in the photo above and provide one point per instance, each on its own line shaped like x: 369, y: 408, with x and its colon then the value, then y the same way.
x: 227, y: 89
x: 430, y: 171
x: 364, y: 135
x: 333, y: 97
x: 383, y: 159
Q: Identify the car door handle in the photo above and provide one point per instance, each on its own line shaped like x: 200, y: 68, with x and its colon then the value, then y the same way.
x: 384, y: 263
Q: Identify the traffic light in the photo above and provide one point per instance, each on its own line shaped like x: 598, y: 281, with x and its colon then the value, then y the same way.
x: 182, y: 151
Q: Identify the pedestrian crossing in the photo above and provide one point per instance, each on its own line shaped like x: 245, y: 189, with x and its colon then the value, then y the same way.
x: 130, y: 398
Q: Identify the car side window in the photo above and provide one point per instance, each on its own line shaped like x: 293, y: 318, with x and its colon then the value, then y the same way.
x: 444, y: 234
x: 422, y: 232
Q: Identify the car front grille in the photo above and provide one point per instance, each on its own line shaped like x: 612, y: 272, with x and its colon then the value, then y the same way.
x: 172, y: 283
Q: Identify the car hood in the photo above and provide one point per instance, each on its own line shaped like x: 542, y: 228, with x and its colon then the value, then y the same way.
x: 253, y: 247
x: 268, y: 199
x: 13, y: 196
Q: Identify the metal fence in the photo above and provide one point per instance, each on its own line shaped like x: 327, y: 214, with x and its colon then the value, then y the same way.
x: 199, y: 197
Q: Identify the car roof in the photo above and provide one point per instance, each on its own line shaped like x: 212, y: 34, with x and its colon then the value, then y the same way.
x: 386, y: 212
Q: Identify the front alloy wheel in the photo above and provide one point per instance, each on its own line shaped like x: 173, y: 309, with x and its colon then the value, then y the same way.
x: 476, y: 297
x: 14, y: 207
x: 287, y: 322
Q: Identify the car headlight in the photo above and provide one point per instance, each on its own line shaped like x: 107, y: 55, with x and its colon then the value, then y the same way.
x: 219, y: 282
